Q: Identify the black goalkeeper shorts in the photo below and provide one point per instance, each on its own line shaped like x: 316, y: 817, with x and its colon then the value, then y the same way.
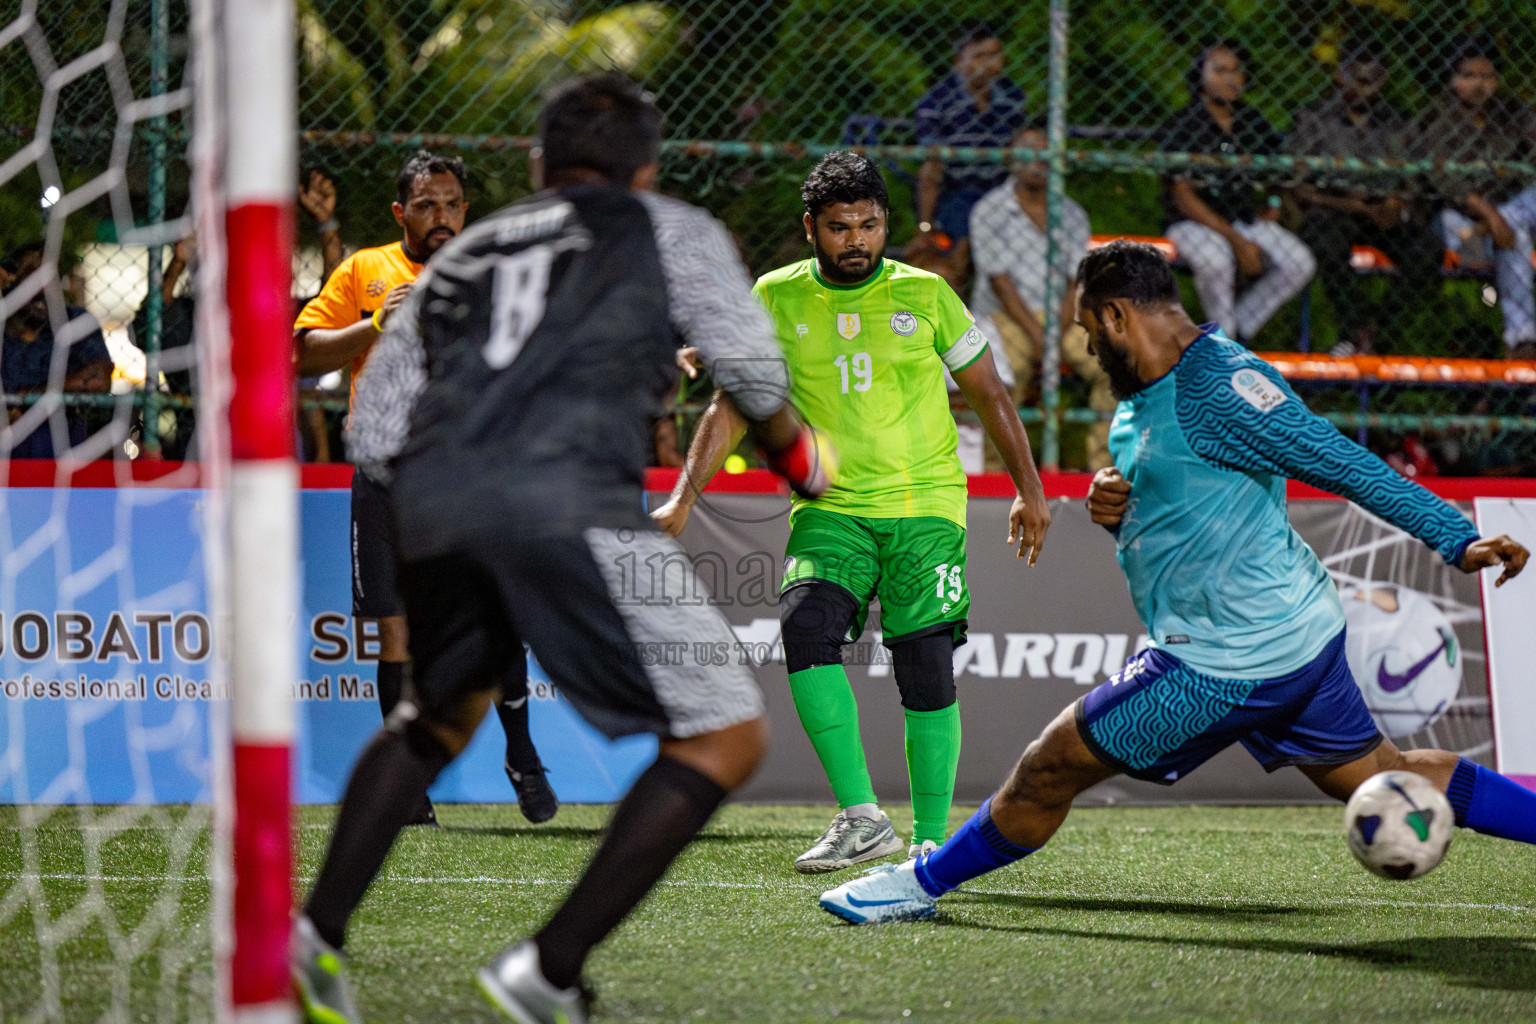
x: 375, y: 559
x: 628, y: 660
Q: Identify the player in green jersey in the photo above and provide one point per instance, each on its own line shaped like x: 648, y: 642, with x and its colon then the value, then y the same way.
x: 867, y: 341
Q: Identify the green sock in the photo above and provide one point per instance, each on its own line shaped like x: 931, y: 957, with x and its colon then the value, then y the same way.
x: 933, y: 752
x: 830, y: 717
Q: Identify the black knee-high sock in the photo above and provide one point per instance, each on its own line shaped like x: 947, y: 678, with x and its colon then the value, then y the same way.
x: 399, y: 765
x: 391, y: 684
x: 666, y: 808
x: 512, y: 709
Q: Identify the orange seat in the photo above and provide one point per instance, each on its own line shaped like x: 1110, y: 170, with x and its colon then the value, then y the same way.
x: 1414, y: 369
x: 1367, y: 259
x: 1364, y: 259
x: 1168, y: 249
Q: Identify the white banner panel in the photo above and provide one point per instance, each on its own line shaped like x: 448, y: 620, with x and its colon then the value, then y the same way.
x: 1510, y: 617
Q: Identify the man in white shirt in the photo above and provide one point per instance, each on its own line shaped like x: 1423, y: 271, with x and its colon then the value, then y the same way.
x: 1008, y: 248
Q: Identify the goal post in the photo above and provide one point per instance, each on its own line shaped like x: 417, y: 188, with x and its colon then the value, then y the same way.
x: 259, y: 172
x: 146, y: 593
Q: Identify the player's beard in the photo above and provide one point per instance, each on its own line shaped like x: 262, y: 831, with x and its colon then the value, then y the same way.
x: 834, y: 272
x: 436, y: 239
x: 1124, y: 381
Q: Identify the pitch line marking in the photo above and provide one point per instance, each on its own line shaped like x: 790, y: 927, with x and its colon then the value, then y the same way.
x: 1238, y: 901
x: 1233, y: 901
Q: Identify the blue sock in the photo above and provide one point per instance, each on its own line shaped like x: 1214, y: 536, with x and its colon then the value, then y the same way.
x: 1487, y: 802
x: 978, y: 847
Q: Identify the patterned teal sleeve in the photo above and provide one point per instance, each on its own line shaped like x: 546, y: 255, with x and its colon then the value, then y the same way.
x: 1238, y: 412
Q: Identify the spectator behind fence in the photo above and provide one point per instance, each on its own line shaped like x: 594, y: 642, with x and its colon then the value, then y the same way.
x: 975, y: 105
x: 178, y: 319
x: 1344, y: 208
x: 318, y: 197
x: 1473, y: 122
x: 1214, y: 218
x: 26, y: 361
x: 1008, y: 247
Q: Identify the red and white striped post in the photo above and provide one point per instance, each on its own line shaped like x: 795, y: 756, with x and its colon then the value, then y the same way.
x: 260, y: 173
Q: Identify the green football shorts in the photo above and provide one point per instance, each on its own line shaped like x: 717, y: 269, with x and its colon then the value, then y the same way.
x: 916, y: 566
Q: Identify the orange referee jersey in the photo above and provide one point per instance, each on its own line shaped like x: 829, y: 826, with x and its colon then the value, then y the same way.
x: 356, y: 290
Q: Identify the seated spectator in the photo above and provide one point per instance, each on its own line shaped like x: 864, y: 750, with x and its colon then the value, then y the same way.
x: 316, y: 429
x: 973, y: 106
x: 1343, y: 209
x: 318, y: 197
x: 26, y: 361
x: 1473, y: 122
x: 1519, y: 214
x: 1215, y: 222
x: 1008, y: 247
x: 178, y: 321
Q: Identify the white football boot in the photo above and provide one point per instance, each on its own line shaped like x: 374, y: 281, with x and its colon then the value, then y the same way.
x: 515, y: 984
x: 319, y: 977
x: 890, y: 892
x: 917, y: 850
x: 849, y: 841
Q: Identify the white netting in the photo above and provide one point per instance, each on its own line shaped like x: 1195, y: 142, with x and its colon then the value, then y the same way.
x: 112, y: 731
x: 1415, y: 637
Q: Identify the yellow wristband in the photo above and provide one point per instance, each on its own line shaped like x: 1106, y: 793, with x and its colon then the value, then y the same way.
x: 378, y: 324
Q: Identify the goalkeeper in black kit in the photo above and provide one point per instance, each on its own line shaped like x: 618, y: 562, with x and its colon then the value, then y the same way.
x: 515, y: 391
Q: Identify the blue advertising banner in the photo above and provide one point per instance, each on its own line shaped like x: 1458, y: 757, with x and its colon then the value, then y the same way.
x: 106, y: 649
x: 108, y: 654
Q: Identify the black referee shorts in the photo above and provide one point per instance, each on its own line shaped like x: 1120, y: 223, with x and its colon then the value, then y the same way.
x: 374, y: 556
x: 629, y: 659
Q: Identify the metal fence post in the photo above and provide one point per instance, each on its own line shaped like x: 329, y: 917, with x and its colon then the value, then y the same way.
x: 159, y: 45
x: 1055, y: 281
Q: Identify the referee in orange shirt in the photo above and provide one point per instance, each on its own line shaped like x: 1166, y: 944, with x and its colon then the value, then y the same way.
x: 338, y: 329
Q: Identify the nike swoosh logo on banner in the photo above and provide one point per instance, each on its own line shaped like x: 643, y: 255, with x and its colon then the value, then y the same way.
x: 1391, y: 682
x: 854, y: 901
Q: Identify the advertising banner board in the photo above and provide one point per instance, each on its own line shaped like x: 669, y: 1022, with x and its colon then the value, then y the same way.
x: 106, y: 643
x: 1511, y: 615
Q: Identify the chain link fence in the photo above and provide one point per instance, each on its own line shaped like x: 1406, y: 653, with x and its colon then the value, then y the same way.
x: 1343, y: 178
x: 93, y: 187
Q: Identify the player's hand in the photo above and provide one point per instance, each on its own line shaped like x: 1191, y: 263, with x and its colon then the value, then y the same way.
x: 1027, y: 522
x: 186, y: 250
x: 673, y: 516
x: 688, y: 361
x: 319, y: 197
x: 392, y: 300
x: 1250, y: 258
x: 1107, y: 497
x: 809, y: 463
x: 1491, y: 551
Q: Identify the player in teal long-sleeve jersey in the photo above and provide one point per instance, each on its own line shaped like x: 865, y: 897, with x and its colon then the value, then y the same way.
x: 1246, y: 630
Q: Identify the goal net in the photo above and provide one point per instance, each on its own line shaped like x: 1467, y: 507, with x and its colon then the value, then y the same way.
x: 1415, y: 641
x: 132, y: 722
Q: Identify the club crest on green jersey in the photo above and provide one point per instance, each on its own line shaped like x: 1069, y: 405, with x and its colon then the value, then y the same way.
x: 848, y: 325
x: 904, y: 324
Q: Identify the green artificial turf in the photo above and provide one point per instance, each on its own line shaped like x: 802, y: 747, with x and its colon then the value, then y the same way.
x: 1154, y: 914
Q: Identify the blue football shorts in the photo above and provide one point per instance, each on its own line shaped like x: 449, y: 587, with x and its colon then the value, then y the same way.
x: 1158, y: 719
